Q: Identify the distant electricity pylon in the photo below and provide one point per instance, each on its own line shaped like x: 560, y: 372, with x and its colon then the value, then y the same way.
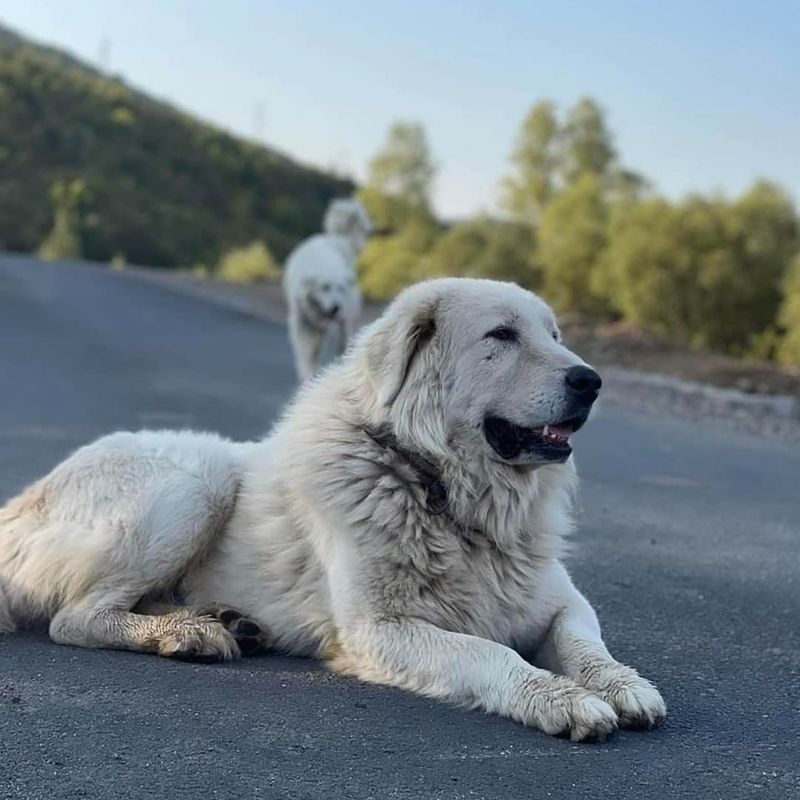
x: 104, y: 55
x: 342, y: 164
x: 259, y: 114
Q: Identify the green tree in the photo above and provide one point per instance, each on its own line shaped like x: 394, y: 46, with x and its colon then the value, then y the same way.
x: 586, y: 143
x: 64, y: 239
x: 400, y: 178
x: 550, y: 155
x: 624, y: 186
x: 249, y: 264
x: 397, y: 196
x: 789, y: 317
x: 404, y: 168
x: 744, y: 298
x: 535, y: 159
x: 571, y: 241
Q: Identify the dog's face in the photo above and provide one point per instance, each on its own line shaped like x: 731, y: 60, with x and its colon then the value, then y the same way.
x: 491, y: 356
x: 326, y: 298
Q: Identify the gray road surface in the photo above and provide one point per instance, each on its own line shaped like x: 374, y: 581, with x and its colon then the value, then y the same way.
x: 688, y: 546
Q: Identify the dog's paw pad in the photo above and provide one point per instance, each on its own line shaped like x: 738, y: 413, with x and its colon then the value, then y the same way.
x: 249, y: 635
x: 244, y: 627
x: 249, y: 646
x: 229, y: 616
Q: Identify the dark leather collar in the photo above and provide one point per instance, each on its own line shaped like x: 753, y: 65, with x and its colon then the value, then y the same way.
x: 425, y: 470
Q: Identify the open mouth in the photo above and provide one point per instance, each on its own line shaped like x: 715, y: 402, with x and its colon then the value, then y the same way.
x: 514, y: 442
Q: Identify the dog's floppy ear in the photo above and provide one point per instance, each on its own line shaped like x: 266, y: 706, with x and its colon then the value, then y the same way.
x: 397, y: 338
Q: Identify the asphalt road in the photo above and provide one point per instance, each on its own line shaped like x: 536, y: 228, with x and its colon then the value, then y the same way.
x: 688, y: 546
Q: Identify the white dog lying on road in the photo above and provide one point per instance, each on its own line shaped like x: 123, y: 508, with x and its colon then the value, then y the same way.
x: 321, y: 287
x: 404, y: 521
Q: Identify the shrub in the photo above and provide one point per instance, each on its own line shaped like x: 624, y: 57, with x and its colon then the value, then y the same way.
x: 706, y: 271
x: 788, y: 349
x: 486, y: 248
x: 249, y: 264
x: 64, y: 240
x: 390, y: 263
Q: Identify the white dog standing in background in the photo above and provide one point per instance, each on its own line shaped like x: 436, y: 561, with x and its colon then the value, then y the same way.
x: 321, y: 287
x: 404, y: 521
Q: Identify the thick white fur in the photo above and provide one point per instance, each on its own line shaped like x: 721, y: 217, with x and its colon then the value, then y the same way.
x: 321, y: 288
x: 332, y: 545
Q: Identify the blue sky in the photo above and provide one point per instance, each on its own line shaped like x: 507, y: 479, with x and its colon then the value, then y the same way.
x: 701, y: 95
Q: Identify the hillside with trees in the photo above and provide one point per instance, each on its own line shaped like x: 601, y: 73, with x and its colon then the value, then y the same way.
x: 90, y: 166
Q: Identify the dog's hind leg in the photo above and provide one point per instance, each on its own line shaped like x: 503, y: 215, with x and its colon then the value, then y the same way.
x: 178, y: 634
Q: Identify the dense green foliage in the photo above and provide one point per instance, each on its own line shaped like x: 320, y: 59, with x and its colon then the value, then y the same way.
x: 708, y: 271
x: 161, y: 187
x: 572, y: 237
x: 485, y: 248
x: 592, y: 237
x: 390, y: 263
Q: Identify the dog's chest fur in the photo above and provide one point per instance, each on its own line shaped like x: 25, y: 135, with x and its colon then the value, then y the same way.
x: 469, y: 563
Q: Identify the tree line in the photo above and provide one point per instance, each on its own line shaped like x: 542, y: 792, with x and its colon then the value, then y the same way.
x: 594, y: 237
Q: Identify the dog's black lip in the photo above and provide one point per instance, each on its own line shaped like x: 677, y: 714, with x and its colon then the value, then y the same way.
x: 510, y: 440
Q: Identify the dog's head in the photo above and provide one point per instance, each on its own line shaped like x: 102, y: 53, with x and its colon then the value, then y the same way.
x: 347, y: 217
x: 466, y: 364
x: 325, y: 298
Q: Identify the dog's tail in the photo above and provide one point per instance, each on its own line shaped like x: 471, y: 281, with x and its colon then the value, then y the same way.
x: 18, y: 519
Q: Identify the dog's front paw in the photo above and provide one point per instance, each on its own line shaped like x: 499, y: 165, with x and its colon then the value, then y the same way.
x: 559, y: 707
x: 636, y: 701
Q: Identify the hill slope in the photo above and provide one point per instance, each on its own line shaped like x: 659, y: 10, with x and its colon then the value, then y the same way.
x: 162, y: 187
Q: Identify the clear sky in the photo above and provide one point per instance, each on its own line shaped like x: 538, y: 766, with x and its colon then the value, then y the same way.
x: 701, y: 95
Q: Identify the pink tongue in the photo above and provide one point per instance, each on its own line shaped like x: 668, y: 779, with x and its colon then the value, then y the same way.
x: 561, y: 431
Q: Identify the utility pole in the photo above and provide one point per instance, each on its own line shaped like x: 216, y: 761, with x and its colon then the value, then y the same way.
x: 104, y: 55
x: 259, y: 113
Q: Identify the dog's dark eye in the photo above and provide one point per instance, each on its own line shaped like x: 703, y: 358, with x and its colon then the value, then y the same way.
x: 556, y: 336
x: 503, y: 333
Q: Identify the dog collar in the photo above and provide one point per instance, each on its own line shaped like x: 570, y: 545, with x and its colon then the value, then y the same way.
x: 425, y: 470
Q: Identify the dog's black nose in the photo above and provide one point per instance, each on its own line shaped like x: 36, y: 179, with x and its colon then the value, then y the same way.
x: 334, y: 310
x: 583, y: 381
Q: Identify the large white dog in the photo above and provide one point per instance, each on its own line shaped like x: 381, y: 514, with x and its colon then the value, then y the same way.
x: 404, y: 521
x: 321, y: 287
